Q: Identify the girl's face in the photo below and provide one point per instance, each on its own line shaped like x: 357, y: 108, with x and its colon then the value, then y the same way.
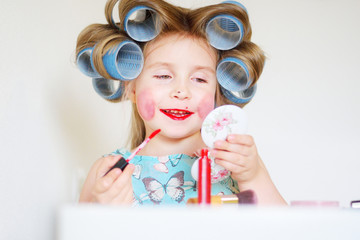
x: 176, y: 88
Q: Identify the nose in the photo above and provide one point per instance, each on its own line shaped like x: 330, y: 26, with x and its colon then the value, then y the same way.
x: 181, y: 91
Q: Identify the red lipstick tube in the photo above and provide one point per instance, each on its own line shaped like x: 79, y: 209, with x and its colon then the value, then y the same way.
x: 204, y: 183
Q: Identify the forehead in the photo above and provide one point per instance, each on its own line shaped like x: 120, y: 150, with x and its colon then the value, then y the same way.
x: 175, y: 48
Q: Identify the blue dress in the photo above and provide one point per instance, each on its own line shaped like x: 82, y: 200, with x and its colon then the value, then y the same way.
x: 168, y: 179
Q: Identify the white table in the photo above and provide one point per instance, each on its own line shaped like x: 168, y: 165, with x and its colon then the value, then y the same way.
x: 87, y: 222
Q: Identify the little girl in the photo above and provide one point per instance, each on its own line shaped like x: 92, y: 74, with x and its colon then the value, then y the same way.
x: 174, y: 91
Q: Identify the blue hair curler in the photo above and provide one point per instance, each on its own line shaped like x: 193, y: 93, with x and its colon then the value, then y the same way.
x: 84, y: 63
x: 142, y: 23
x: 240, y: 96
x: 237, y: 3
x: 224, y: 32
x: 108, y: 89
x: 233, y: 75
x: 109, y: 12
x: 124, y: 62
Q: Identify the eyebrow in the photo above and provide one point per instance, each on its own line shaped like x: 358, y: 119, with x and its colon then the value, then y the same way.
x: 206, y: 68
x: 169, y: 65
x: 159, y: 64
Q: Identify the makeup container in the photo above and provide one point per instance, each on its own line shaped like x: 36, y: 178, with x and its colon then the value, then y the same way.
x: 355, y: 204
x: 247, y: 197
x: 314, y: 203
x: 204, y: 183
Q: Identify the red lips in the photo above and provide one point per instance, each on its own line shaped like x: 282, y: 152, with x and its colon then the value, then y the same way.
x: 177, y: 114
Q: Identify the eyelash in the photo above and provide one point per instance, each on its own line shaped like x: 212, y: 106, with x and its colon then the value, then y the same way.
x: 164, y: 77
x: 201, y: 80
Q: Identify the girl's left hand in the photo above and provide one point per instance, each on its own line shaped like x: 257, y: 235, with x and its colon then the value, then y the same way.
x: 238, y: 154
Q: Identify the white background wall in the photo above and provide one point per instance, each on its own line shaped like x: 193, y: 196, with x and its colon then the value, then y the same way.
x: 305, y: 116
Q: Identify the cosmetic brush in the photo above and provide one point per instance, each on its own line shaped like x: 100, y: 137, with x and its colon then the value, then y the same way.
x: 122, y: 163
x: 247, y: 197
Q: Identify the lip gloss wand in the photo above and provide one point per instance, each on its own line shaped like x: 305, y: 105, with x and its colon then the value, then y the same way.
x: 122, y: 163
x: 142, y: 145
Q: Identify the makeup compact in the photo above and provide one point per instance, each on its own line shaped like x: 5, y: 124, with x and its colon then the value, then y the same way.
x: 218, y: 124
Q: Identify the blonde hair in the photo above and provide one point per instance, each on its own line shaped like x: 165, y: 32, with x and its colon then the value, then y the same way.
x: 172, y: 19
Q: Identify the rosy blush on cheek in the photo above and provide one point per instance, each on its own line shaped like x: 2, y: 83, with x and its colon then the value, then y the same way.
x: 206, y: 105
x: 146, y: 105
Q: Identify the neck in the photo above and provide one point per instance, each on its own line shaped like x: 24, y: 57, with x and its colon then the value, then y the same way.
x: 162, y: 145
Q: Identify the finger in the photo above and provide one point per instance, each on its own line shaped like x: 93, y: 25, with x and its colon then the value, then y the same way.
x: 125, y: 178
x: 130, y: 196
x: 230, y: 166
x: 225, y: 146
x: 232, y: 157
x: 106, y: 164
x: 122, y: 183
x: 242, y: 139
x: 103, y: 184
x: 233, y: 147
x: 125, y: 196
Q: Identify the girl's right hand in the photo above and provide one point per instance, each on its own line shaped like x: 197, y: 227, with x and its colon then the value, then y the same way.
x: 115, y: 187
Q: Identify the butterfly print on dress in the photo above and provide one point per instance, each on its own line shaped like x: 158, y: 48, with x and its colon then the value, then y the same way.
x: 161, y: 166
x: 173, y: 188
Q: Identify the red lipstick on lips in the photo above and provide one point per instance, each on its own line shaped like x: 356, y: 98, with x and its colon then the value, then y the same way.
x: 177, y: 114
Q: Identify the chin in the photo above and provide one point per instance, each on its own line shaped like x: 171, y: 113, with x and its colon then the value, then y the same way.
x: 179, y: 134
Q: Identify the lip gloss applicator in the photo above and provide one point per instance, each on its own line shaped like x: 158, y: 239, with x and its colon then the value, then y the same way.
x: 142, y: 145
x: 122, y: 163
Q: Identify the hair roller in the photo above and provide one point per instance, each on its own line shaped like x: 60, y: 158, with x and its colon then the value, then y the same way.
x: 117, y: 57
x: 92, y: 35
x: 85, y: 43
x: 240, y: 67
x: 107, y: 88
x: 109, y: 8
x: 240, y: 97
x: 226, y: 24
x: 233, y: 74
x: 84, y: 63
x: 224, y: 32
x: 238, y: 71
x: 144, y: 20
x: 142, y: 23
x: 236, y: 3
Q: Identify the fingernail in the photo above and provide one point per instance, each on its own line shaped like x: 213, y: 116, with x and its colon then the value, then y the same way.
x: 230, y: 137
x: 217, y: 143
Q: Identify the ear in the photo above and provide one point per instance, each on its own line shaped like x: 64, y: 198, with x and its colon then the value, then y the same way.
x: 130, y: 90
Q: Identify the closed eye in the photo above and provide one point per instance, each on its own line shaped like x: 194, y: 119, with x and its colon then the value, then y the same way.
x: 200, y: 80
x: 164, y: 77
